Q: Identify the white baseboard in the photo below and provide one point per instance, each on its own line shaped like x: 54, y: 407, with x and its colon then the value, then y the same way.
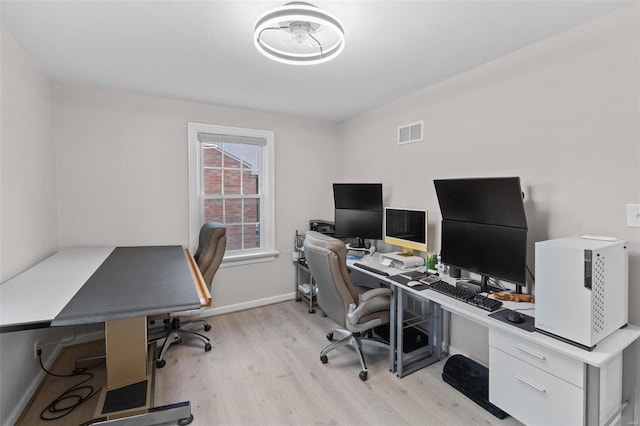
x: 38, y: 378
x: 32, y: 388
x: 208, y: 312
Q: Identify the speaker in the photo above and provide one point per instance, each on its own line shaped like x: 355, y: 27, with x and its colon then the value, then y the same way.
x: 471, y: 379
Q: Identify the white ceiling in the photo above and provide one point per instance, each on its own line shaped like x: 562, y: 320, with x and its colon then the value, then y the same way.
x: 203, y: 50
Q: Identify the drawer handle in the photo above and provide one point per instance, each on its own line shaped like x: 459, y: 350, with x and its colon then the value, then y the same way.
x: 526, y: 382
x: 530, y: 352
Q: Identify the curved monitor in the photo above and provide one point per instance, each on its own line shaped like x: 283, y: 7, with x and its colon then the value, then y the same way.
x: 406, y: 228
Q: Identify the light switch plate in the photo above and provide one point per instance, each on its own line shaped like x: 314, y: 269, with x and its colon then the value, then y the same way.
x: 633, y: 215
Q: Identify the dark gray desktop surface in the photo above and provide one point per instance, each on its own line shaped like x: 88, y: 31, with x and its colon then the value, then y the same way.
x: 133, y: 282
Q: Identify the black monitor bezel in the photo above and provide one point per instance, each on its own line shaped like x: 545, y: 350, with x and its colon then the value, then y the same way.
x: 358, y: 210
x: 484, y: 227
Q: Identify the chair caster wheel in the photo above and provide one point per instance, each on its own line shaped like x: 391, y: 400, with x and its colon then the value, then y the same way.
x: 161, y: 363
x: 363, y: 376
x: 207, y: 327
x: 330, y: 337
x: 186, y: 421
x: 324, y: 359
x: 207, y: 347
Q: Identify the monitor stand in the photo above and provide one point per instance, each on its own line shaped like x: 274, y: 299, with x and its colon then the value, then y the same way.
x: 485, y: 287
x: 358, y: 243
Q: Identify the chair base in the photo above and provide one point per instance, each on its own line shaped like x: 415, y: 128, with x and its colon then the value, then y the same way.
x: 176, y: 333
x: 341, y: 337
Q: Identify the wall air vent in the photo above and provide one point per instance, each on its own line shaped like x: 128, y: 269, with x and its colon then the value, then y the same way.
x: 409, y: 133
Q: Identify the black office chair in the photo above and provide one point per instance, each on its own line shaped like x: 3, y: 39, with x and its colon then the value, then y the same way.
x: 211, y: 247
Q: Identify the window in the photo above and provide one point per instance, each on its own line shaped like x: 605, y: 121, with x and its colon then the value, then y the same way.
x: 231, y: 181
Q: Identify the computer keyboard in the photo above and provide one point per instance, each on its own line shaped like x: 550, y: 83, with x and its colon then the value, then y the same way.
x: 468, y: 296
x: 371, y: 269
x: 486, y: 303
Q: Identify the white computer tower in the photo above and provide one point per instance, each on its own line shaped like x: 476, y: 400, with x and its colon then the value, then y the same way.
x: 581, y: 288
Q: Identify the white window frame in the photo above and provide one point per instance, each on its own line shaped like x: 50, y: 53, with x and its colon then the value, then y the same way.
x: 266, y: 183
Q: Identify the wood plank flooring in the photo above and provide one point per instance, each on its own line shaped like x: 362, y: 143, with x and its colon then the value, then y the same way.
x: 264, y: 369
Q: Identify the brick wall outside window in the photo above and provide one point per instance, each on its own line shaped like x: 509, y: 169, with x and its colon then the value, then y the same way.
x: 227, y: 175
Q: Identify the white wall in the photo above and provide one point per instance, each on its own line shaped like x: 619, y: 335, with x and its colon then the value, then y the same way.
x: 28, y: 218
x: 122, y: 178
x: 562, y: 114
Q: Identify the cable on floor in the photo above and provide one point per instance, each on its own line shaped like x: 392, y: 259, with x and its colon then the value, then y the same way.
x: 70, y: 399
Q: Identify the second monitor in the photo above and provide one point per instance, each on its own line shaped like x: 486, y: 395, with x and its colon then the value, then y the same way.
x: 407, y: 229
x: 358, y: 212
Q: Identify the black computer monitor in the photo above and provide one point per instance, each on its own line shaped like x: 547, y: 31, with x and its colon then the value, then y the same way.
x: 358, y: 211
x: 484, y: 227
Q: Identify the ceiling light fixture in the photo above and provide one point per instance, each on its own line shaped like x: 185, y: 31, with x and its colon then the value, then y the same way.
x: 298, y: 33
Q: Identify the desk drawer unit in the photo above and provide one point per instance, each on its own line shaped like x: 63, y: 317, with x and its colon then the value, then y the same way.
x: 531, y: 395
x: 546, y: 359
x: 535, y: 384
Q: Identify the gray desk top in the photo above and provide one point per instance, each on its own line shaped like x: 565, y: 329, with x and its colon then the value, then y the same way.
x: 133, y: 282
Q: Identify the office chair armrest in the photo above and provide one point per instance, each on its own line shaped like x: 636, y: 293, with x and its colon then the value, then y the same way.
x: 372, y: 301
x: 375, y: 292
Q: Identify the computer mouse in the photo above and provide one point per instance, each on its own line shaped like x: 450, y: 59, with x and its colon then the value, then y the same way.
x: 515, y: 317
x: 414, y: 283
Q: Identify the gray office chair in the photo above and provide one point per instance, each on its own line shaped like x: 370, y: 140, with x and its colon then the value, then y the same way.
x: 340, y: 299
x: 211, y: 247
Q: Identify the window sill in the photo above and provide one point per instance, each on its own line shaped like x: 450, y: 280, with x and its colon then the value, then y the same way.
x: 249, y: 258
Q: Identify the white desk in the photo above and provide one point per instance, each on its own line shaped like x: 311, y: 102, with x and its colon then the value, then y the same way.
x: 35, y: 297
x: 579, y: 385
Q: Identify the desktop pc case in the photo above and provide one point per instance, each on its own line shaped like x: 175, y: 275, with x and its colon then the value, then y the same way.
x: 581, y: 288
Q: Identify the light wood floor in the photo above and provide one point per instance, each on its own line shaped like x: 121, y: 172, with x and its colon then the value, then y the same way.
x: 264, y: 369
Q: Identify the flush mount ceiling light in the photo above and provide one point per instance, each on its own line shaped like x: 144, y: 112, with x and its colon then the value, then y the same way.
x: 298, y: 33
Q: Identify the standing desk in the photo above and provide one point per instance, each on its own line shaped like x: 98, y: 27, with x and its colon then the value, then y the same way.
x: 120, y: 286
x: 577, y: 384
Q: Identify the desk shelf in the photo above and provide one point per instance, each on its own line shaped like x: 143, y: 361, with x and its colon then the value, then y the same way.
x: 305, y: 287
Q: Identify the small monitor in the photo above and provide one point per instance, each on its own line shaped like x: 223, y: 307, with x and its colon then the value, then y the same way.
x: 406, y: 228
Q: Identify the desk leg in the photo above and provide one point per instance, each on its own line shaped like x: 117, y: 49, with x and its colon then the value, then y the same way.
x: 129, y: 382
x: 179, y: 413
x: 126, y: 349
x: 592, y: 413
x: 628, y: 383
x: 399, y: 332
x: 434, y: 349
x: 392, y: 330
x: 435, y: 330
